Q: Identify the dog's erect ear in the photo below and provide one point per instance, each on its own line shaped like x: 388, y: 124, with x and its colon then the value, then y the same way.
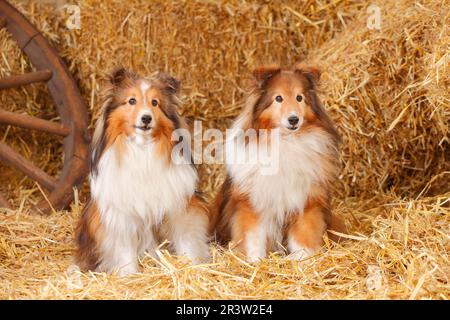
x: 120, y: 75
x: 264, y: 73
x: 171, y: 84
x: 310, y: 72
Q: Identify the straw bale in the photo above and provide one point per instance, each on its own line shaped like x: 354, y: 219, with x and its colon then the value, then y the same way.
x: 386, y: 90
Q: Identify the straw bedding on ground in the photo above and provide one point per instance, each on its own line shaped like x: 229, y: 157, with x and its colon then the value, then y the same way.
x: 387, y: 91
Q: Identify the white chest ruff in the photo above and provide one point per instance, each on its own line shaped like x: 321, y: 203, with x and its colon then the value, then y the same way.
x: 141, y: 186
x: 299, y: 167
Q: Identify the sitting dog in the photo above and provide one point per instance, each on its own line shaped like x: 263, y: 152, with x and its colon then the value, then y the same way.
x: 291, y: 207
x: 138, y: 193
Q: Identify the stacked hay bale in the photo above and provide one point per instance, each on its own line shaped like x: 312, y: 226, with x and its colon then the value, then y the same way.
x: 386, y: 89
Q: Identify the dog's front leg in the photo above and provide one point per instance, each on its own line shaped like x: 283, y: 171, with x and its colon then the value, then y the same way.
x: 305, y: 235
x: 248, y: 233
x: 119, y: 251
x: 149, y: 243
x: 189, y: 233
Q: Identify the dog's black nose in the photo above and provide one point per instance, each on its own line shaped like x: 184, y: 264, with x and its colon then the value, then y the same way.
x: 146, y: 119
x: 293, y: 120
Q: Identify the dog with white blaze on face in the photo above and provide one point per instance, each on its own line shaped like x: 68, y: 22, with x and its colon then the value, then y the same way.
x: 139, y: 195
x: 289, y: 208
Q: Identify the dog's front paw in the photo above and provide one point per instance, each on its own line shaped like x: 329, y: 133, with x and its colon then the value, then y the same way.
x: 300, y: 254
x: 199, y: 257
x: 252, y: 258
x: 127, y: 270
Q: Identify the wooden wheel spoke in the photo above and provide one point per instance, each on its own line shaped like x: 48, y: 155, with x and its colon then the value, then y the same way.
x: 24, y: 79
x: 12, y: 158
x: 3, y: 202
x: 65, y: 94
x: 28, y: 122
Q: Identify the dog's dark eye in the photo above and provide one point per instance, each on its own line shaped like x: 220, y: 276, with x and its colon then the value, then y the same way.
x: 279, y: 99
x: 132, y: 101
x: 299, y: 98
x: 154, y: 102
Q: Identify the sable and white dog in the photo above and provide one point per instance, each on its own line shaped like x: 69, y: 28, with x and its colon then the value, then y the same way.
x: 260, y: 212
x: 138, y: 193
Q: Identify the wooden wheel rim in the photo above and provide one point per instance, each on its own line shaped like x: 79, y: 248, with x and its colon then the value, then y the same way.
x: 66, y: 97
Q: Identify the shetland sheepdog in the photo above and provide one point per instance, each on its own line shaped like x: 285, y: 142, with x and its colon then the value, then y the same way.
x: 139, y: 194
x: 291, y: 207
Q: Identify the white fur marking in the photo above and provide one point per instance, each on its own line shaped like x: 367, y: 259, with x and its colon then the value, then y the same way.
x: 133, y: 195
x: 275, y: 196
x: 255, y: 244
x: 144, y: 87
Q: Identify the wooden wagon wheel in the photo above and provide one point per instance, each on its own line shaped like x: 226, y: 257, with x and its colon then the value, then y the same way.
x: 64, y: 92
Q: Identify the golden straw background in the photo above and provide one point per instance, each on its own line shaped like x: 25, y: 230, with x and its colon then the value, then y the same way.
x: 386, y: 90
